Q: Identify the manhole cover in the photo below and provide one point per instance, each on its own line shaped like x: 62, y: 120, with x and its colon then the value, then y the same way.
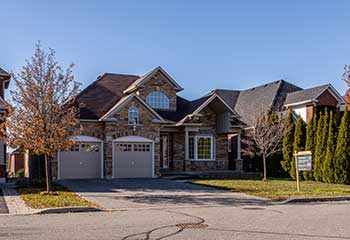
x: 191, y: 225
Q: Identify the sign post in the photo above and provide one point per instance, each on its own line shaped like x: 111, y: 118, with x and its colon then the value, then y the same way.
x: 303, y: 162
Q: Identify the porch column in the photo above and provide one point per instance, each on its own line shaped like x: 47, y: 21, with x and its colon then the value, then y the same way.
x: 186, y: 150
x: 239, y: 160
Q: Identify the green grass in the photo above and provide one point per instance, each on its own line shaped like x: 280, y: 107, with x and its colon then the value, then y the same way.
x: 62, y: 197
x: 279, y: 189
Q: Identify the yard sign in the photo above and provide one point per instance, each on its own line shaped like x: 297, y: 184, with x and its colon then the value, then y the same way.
x: 303, y: 162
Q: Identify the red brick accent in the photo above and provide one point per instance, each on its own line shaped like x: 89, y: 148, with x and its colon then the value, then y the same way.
x: 327, y: 99
x: 310, y: 111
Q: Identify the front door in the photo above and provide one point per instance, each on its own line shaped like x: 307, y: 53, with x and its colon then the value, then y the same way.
x: 164, y: 150
x: 232, y: 151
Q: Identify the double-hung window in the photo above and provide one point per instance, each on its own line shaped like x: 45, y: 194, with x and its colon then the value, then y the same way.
x: 133, y: 115
x: 201, y: 148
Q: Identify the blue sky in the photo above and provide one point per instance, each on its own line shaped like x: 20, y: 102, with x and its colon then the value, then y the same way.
x: 202, y: 44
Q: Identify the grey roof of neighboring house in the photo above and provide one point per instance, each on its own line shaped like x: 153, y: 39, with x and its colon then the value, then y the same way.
x: 306, y: 94
x: 250, y: 103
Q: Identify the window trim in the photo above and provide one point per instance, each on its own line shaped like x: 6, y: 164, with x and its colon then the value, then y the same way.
x: 212, y: 148
x: 161, y: 94
x: 134, y: 108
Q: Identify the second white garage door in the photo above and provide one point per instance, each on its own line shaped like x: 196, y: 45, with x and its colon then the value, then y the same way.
x: 133, y: 160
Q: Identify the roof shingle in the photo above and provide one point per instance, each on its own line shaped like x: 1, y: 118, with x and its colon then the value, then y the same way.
x: 102, y: 94
x: 305, y: 95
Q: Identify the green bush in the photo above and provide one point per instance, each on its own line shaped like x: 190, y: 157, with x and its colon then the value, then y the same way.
x: 310, y: 144
x: 321, y: 143
x: 287, y: 143
x: 328, y: 165
x: 298, y: 144
x: 342, y: 156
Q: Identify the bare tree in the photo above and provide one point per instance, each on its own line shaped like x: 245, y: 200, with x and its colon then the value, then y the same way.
x: 42, y: 120
x: 346, y: 79
x: 265, y: 137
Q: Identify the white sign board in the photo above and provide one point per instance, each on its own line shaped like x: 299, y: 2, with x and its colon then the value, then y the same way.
x: 304, y: 161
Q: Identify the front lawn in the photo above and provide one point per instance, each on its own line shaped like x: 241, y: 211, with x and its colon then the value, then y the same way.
x: 62, y: 197
x: 279, y: 189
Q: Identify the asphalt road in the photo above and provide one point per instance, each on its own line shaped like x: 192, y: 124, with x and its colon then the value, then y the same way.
x: 307, y: 221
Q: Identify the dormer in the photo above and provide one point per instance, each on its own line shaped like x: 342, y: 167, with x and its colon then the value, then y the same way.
x: 157, y: 88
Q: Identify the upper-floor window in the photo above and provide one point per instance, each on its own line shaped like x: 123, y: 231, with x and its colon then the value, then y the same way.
x: 158, y: 100
x: 133, y: 115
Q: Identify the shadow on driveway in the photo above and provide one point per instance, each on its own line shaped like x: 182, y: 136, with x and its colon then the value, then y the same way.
x: 143, y: 193
x: 3, y: 206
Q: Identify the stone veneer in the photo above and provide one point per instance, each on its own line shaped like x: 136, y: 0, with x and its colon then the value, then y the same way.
x: 119, y: 127
x: 208, y: 120
x: 161, y: 84
x: 109, y: 130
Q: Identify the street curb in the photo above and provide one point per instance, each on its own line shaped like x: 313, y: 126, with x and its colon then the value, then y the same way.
x: 68, y: 210
x: 317, y: 199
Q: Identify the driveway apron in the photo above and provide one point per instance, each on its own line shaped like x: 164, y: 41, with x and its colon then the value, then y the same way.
x: 154, y: 193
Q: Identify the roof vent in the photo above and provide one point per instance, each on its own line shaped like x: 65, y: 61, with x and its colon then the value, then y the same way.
x: 252, y: 89
x: 266, y: 85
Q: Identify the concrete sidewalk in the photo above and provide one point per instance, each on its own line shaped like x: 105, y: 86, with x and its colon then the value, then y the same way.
x: 14, y: 202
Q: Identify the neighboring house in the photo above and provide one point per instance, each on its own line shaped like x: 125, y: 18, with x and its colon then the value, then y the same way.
x: 16, y: 162
x: 135, y: 126
x: 311, y: 101
x: 4, y: 83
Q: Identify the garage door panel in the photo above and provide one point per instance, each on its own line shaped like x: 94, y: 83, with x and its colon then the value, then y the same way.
x: 132, y: 160
x: 79, y: 165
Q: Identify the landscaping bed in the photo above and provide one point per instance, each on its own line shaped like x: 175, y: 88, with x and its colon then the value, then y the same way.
x: 35, y: 197
x: 279, y: 189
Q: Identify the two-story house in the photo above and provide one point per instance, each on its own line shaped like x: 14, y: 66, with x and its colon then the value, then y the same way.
x: 138, y: 126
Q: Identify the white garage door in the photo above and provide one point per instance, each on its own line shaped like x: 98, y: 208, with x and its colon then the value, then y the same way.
x: 83, y: 161
x: 133, y: 160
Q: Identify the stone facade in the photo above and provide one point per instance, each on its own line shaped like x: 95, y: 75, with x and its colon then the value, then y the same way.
x: 178, y: 151
x: 161, y: 84
x: 120, y: 127
x: 208, y: 124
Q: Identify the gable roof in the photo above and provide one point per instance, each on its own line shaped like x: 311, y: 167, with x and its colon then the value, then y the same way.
x: 250, y: 103
x: 101, y: 95
x: 184, y: 107
x: 124, y: 101
x: 139, y: 82
x: 310, y: 95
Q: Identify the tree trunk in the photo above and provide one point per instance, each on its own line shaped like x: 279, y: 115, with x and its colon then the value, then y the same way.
x: 47, y: 173
x: 264, y: 163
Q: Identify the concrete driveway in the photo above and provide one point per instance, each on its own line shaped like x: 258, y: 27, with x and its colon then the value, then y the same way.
x: 154, y: 193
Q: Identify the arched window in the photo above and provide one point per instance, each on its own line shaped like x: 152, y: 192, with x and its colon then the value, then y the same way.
x: 158, y: 100
x: 133, y: 115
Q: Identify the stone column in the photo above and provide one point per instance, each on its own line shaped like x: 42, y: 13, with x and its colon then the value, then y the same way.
x: 186, y: 150
x: 239, y: 160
